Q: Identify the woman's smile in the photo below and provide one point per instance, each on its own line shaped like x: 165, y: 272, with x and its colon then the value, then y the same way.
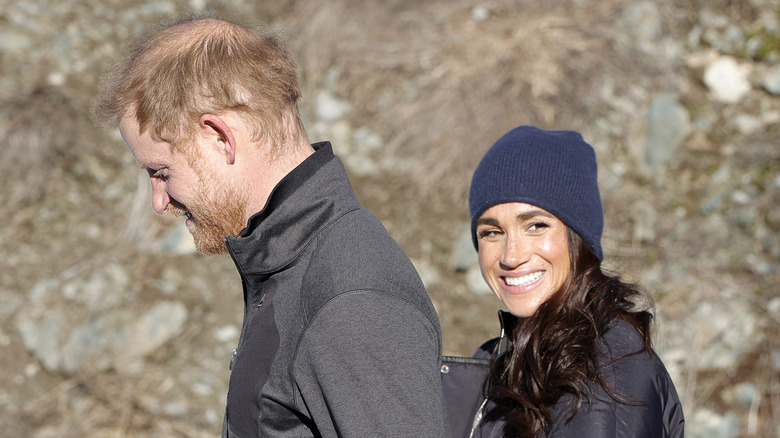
x: 523, y: 254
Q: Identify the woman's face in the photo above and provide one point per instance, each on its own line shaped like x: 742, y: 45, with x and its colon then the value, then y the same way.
x: 523, y: 254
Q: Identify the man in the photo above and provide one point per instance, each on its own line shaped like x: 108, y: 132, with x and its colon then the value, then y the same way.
x: 339, y: 337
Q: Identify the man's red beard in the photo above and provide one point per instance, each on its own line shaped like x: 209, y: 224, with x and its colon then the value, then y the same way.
x: 217, y: 213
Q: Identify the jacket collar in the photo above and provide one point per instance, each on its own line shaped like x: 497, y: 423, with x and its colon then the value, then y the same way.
x: 508, y: 323
x: 305, y: 201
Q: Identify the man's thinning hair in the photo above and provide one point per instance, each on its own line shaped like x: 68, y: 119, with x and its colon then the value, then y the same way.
x: 195, y: 66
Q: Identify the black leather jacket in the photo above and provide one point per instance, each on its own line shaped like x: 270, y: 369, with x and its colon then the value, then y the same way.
x: 653, y: 409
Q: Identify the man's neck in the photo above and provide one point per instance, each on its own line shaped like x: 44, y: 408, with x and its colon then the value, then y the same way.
x: 269, y: 170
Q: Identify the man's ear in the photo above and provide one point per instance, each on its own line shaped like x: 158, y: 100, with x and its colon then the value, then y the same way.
x: 221, y: 132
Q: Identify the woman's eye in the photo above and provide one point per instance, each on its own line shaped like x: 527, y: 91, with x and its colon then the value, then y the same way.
x: 486, y: 234
x: 537, y: 226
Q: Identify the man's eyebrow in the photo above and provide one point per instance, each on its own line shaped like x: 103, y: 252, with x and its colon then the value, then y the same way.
x: 154, y: 167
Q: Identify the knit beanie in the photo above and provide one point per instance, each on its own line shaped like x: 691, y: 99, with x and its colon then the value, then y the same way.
x: 554, y: 170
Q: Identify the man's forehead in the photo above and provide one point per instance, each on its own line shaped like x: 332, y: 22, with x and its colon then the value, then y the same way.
x: 147, y: 152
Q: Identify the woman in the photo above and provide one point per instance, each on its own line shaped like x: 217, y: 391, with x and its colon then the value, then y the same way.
x: 574, y: 358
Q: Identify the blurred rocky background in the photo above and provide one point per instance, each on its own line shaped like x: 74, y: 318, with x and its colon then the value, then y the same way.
x: 111, y: 326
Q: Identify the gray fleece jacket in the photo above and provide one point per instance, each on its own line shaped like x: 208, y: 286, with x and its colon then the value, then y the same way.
x: 339, y: 337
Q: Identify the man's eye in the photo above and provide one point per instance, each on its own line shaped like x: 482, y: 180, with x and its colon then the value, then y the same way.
x: 160, y: 173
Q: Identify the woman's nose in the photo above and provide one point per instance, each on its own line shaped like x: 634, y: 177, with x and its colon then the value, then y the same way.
x: 514, y: 253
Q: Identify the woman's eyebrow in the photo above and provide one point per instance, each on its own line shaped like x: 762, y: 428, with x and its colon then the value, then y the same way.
x: 524, y: 216
x: 487, y: 221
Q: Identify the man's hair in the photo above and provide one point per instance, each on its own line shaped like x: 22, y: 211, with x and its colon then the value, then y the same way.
x: 182, y: 70
x: 555, y: 351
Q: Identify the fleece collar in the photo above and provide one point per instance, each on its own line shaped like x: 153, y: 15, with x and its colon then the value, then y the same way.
x: 307, y: 200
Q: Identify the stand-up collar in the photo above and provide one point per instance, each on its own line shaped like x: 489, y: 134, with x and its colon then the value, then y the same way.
x: 508, y: 323
x: 305, y: 201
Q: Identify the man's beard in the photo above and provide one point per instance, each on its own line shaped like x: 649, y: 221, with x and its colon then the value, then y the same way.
x: 217, y: 213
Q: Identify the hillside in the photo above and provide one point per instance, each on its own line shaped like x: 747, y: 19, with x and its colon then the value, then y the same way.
x: 111, y: 325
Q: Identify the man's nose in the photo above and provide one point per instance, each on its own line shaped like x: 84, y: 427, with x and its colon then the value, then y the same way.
x: 160, y: 196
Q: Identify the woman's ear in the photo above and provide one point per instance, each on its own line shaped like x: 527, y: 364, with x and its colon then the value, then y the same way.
x: 214, y: 127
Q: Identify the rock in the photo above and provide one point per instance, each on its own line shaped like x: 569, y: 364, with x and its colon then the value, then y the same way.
x: 745, y: 394
x: 114, y: 339
x: 705, y: 423
x: 479, y: 14
x: 727, y: 80
x: 476, y: 283
x: 328, y: 108
x: 177, y: 241
x: 427, y: 271
x: 102, y: 290
x: 227, y: 333
x: 775, y: 360
x: 668, y: 123
x: 748, y: 124
x: 771, y: 80
x: 643, y: 21
x: 463, y: 253
x: 151, y: 330
x: 730, y: 332
x: 366, y: 141
x: 43, y: 338
x: 360, y: 147
x: 359, y: 165
x: 645, y: 219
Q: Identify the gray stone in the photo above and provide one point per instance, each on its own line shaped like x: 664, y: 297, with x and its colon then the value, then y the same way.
x: 463, y: 253
x: 643, y: 21
x: 771, y: 80
x: 359, y: 164
x: 745, y: 394
x: 154, y: 328
x: 101, y: 291
x: 480, y: 14
x: 668, y: 123
x: 365, y: 140
x: 329, y: 108
x: 476, y: 283
x: 645, y: 219
x: 112, y: 340
x: 44, y: 338
x: 705, y: 423
x: 177, y: 241
x: 730, y: 332
x: 748, y: 124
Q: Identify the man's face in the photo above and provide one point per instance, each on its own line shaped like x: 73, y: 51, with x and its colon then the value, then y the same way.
x: 188, y: 186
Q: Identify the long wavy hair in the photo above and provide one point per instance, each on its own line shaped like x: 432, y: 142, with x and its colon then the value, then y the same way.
x: 555, y: 351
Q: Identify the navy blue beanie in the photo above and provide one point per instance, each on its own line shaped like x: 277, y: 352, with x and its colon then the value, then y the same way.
x: 554, y: 170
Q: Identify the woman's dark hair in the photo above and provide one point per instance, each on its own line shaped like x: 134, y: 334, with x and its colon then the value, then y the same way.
x: 555, y: 351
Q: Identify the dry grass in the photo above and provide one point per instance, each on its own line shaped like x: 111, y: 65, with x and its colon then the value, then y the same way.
x: 453, y: 85
x: 36, y: 129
